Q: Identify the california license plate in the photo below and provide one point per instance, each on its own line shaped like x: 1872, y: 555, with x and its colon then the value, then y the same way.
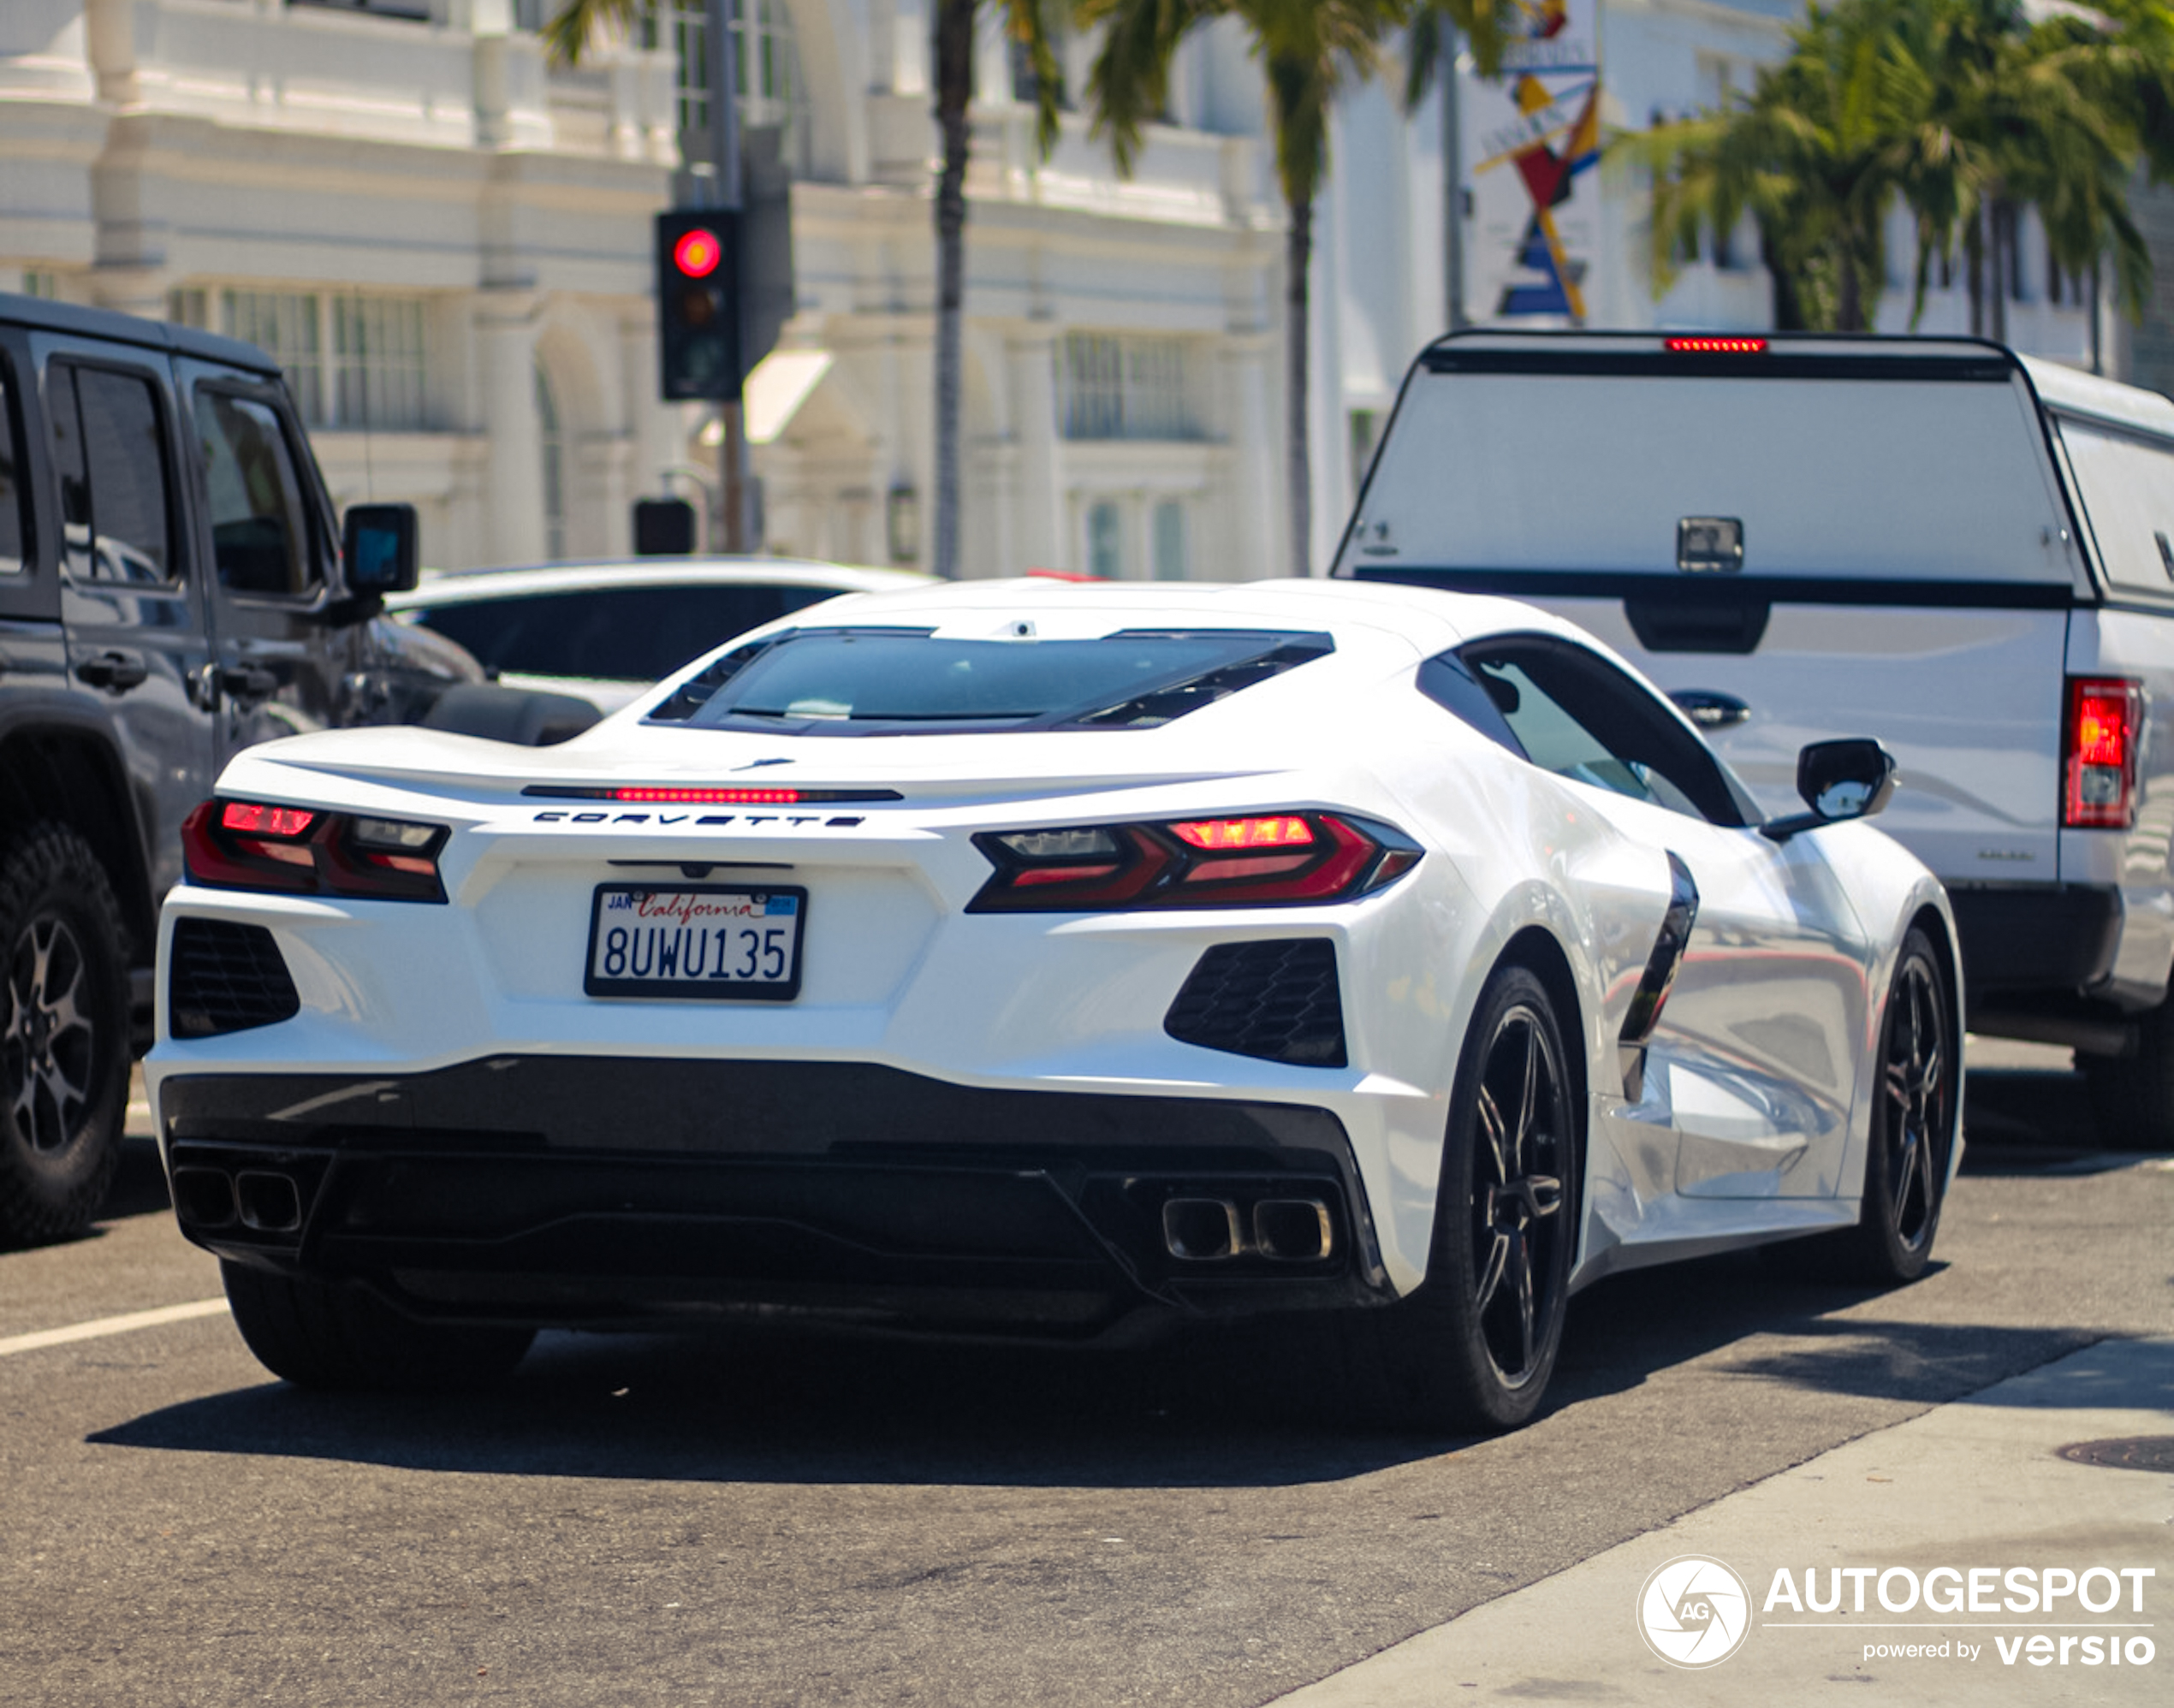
x: 695, y: 939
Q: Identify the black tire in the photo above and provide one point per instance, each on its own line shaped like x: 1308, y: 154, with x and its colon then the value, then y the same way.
x: 1913, y: 1125
x: 1471, y: 1350
x: 322, y: 1335
x: 63, y: 1034
x: 2132, y: 1097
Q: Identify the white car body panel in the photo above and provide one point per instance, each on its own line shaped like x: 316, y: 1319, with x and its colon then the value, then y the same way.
x: 1757, y: 1103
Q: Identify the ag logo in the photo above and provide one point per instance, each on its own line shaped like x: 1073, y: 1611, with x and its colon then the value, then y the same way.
x: 1693, y: 1611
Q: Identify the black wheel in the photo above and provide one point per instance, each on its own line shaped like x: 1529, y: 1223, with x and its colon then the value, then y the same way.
x: 1473, y: 1347
x: 64, y: 1049
x: 1913, y: 1124
x: 321, y: 1335
x: 2132, y: 1097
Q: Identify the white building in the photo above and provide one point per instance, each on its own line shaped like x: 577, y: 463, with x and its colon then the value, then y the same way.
x: 447, y: 244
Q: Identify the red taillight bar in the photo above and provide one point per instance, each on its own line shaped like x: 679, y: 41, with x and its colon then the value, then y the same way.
x: 704, y: 795
x: 2101, y: 742
x: 1265, y: 860
x: 297, y: 850
x: 1715, y: 347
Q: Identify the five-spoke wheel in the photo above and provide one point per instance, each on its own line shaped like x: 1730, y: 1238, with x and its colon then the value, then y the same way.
x: 1913, y: 1121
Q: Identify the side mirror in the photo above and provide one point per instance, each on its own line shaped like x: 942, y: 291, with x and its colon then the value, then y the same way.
x: 377, y: 542
x: 1839, y: 781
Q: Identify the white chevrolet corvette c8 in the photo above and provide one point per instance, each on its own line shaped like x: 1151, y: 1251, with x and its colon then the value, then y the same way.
x: 1037, y: 957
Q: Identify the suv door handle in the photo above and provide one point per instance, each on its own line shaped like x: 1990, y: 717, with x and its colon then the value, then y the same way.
x: 1710, y: 711
x: 118, y: 671
x: 248, y: 681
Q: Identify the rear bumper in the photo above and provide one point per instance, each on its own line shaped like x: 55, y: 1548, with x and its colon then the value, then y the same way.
x: 2035, y: 938
x: 612, y: 1191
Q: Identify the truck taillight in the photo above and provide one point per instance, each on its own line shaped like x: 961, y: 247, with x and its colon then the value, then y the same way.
x: 2101, y: 745
x: 253, y: 845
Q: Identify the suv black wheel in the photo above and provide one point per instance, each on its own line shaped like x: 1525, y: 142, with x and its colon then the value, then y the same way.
x: 1913, y: 1124
x: 64, y: 1045
x: 1473, y: 1346
x: 323, y: 1335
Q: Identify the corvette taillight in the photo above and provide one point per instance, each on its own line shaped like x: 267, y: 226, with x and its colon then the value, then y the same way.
x: 1258, y: 860
x: 2104, y: 739
x: 251, y: 846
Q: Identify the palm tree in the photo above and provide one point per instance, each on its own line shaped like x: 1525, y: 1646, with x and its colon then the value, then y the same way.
x: 1307, y: 51
x: 1963, y: 110
x: 956, y: 25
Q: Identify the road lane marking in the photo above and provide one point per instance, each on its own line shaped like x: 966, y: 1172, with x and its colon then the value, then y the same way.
x: 105, y: 1326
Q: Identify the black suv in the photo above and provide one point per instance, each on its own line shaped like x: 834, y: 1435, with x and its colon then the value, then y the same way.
x: 173, y: 588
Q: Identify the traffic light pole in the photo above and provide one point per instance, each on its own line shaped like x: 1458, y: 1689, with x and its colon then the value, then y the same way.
x: 723, y: 72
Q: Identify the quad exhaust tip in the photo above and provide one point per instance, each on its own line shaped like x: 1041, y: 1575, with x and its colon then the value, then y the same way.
x: 261, y: 1201
x: 1283, y: 1230
x: 270, y: 1203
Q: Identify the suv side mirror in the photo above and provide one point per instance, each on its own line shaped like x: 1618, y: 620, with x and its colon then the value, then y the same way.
x: 377, y: 543
x: 1839, y: 781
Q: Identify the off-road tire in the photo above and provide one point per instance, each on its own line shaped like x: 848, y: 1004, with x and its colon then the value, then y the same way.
x: 322, y: 1334
x: 64, y: 1034
x: 1436, y: 1360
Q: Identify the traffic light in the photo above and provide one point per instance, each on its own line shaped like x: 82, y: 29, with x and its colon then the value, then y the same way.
x: 697, y: 304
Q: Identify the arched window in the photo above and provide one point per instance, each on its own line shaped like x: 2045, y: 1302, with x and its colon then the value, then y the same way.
x: 551, y: 442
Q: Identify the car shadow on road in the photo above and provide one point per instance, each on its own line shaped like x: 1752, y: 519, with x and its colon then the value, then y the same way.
x: 1250, y: 1408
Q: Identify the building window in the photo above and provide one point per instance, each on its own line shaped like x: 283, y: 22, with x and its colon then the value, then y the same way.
x: 408, y: 11
x: 376, y: 374
x: 46, y: 285
x: 284, y: 325
x: 1104, y: 539
x: 767, y: 56
x: 188, y: 308
x: 552, y: 444
x: 1118, y: 386
x: 1366, y: 435
x: 377, y: 362
x: 1170, y: 540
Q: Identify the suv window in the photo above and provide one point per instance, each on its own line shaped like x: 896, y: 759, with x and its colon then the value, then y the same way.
x: 115, y: 476
x: 1574, y: 714
x: 260, y: 535
x: 611, y: 634
x: 10, y: 484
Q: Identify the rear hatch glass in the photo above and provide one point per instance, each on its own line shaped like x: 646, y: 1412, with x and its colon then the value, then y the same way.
x: 864, y: 681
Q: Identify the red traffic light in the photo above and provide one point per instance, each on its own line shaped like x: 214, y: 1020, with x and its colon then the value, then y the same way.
x: 697, y: 253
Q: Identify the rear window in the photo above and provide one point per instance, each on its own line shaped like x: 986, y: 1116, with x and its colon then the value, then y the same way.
x: 1926, y: 479
x: 875, y: 681
x: 612, y: 634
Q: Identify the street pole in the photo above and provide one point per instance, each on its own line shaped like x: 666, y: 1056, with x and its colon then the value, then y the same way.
x: 722, y: 69
x: 1453, y: 184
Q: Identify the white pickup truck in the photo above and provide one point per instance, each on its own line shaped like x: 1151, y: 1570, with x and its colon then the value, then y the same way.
x: 1966, y: 554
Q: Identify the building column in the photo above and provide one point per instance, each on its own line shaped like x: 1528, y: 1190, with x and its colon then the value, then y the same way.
x: 1039, y: 533
x: 512, y: 527
x: 1255, y: 429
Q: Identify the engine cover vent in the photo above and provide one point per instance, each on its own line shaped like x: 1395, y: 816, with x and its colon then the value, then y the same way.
x: 225, y: 977
x: 1278, y: 999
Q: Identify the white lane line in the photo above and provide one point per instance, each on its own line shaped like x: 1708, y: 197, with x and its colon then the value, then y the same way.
x: 105, y: 1326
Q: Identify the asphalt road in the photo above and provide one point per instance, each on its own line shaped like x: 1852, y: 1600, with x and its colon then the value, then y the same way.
x: 758, y: 1521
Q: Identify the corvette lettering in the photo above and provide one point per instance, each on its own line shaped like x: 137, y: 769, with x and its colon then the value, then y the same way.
x: 660, y: 819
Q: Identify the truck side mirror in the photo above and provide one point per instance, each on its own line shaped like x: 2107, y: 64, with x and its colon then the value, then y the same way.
x: 1839, y: 781
x: 377, y: 542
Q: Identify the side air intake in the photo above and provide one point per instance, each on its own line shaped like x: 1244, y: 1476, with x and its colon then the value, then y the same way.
x: 226, y: 977
x: 1278, y: 1000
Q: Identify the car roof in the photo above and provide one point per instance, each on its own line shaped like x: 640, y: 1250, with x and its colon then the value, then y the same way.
x: 461, y: 586
x: 45, y: 315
